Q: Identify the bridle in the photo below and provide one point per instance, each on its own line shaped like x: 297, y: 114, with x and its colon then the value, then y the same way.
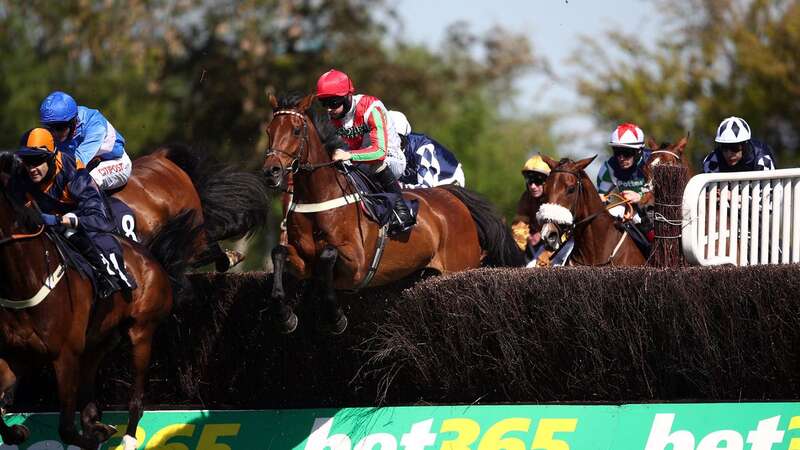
x: 574, y: 207
x: 574, y: 225
x: 299, y: 161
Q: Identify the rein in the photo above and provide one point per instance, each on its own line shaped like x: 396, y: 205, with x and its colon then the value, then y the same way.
x: 22, y: 236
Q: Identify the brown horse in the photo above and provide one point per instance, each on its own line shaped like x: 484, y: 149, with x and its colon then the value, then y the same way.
x: 336, y: 245
x: 60, y: 324
x: 227, y: 203
x: 574, y: 207
x: 664, y: 154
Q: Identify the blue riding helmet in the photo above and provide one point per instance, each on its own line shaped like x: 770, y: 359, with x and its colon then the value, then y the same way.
x: 57, y: 107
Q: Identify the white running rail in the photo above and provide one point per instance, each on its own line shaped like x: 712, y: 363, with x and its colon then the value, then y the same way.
x: 743, y: 218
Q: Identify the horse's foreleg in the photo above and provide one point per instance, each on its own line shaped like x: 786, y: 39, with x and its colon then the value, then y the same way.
x: 141, y: 334
x: 323, y: 275
x: 15, y: 434
x: 285, y: 319
x: 67, y: 376
x: 91, y: 414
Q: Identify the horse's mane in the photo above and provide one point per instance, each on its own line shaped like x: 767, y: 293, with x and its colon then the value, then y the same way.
x: 9, y: 168
x: 325, y: 129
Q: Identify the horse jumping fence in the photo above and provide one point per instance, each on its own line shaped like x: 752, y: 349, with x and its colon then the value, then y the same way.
x: 744, y: 218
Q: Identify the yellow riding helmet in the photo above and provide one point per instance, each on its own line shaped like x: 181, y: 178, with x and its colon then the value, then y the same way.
x: 536, y: 164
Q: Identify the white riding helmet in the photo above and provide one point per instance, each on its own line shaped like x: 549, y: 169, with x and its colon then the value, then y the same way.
x: 733, y: 130
x: 627, y: 135
x: 400, y: 121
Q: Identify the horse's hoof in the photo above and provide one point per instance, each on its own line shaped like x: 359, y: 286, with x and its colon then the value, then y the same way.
x: 234, y: 257
x: 103, y: 432
x: 339, y: 326
x: 231, y: 259
x: 18, y: 435
x: 289, y: 325
x: 129, y: 442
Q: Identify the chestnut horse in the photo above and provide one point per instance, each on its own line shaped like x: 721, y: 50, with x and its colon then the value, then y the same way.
x: 574, y: 207
x: 666, y: 153
x: 48, y: 315
x: 336, y: 245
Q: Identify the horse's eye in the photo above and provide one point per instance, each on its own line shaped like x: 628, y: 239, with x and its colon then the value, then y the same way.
x: 571, y: 189
x: 296, y: 131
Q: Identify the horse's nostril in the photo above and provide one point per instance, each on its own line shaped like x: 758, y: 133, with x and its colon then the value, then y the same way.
x: 275, y: 170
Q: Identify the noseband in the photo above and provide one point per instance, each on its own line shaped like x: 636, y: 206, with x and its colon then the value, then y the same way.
x: 297, y: 162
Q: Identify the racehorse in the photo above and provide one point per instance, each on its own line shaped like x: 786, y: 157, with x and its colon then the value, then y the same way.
x: 172, y: 179
x: 574, y: 207
x: 227, y: 203
x: 48, y: 315
x: 336, y: 245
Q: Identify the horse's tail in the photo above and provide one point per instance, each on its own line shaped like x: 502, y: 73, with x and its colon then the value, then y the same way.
x: 234, y: 202
x: 171, y: 246
x: 493, y: 234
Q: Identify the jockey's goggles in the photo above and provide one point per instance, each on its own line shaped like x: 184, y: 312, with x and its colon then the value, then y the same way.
x: 59, y: 127
x: 732, y: 148
x: 625, y: 151
x: 35, y: 160
x: 332, y: 102
x: 535, y: 178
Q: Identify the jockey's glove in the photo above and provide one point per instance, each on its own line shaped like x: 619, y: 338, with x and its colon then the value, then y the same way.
x: 51, y: 219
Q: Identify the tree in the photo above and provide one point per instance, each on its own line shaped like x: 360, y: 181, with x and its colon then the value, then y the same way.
x: 729, y: 57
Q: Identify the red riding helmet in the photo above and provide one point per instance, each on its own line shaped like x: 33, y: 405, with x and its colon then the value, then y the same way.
x: 334, y: 84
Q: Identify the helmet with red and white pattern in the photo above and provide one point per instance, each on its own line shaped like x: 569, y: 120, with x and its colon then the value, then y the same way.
x: 627, y: 135
x: 334, y: 83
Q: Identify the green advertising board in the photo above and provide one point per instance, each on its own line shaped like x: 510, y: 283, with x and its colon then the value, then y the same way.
x: 752, y: 426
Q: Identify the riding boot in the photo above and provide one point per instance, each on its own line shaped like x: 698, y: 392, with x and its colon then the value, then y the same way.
x: 389, y: 183
x: 106, y: 284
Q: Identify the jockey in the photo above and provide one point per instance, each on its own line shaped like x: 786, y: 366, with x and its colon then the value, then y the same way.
x: 69, y: 200
x: 736, y: 151
x: 428, y: 163
x: 624, y: 171
x: 363, y: 123
x: 525, y: 227
x: 86, y: 135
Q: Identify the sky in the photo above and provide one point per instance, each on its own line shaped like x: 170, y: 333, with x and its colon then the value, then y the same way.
x: 554, y: 28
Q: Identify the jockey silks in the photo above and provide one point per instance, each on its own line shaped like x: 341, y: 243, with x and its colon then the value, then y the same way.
x: 369, y: 134
x: 757, y: 156
x: 613, y: 176
x: 429, y: 164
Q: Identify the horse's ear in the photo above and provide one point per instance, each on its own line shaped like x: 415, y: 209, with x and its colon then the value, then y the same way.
x: 651, y: 143
x: 273, y: 101
x: 681, y: 145
x: 549, y: 161
x: 306, y: 102
x: 584, y: 163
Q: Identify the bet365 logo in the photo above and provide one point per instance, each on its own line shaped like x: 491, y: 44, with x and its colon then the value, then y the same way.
x: 764, y: 437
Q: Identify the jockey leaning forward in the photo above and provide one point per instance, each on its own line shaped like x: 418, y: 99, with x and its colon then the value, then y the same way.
x: 736, y: 151
x: 71, y: 203
x: 362, y: 121
x: 622, y: 178
x: 428, y: 163
x: 86, y: 135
